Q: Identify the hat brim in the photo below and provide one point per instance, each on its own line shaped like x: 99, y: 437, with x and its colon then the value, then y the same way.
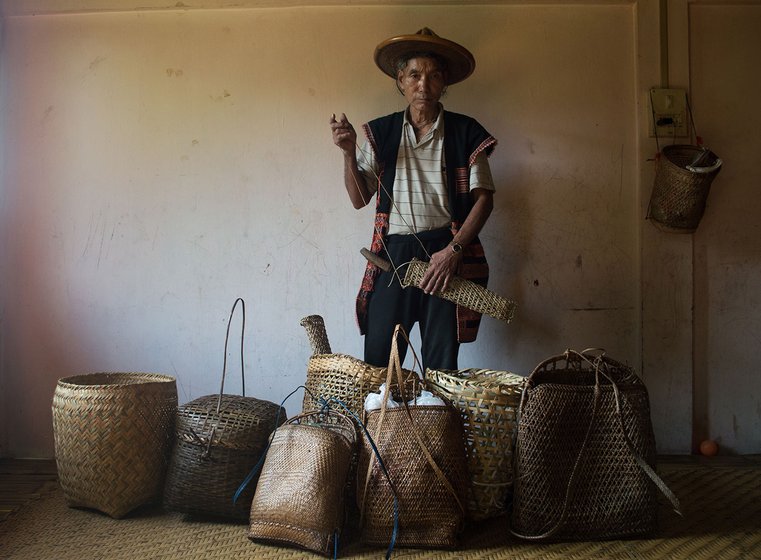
x: 460, y: 62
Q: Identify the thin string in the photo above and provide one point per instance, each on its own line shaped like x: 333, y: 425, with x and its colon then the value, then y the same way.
x: 375, y: 226
x: 391, y: 198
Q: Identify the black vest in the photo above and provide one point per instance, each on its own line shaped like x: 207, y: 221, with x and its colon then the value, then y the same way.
x: 464, y: 139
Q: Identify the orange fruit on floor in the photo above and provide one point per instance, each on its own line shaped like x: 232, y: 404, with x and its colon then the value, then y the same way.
x: 709, y: 448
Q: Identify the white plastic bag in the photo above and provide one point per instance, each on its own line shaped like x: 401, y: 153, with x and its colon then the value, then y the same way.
x: 426, y: 398
x: 373, y: 401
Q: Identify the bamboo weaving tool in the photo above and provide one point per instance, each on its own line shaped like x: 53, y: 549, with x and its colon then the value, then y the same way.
x: 460, y: 291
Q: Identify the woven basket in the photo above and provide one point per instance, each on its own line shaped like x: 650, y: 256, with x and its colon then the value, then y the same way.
x: 299, y: 499
x: 488, y: 404
x: 113, y: 435
x: 683, y: 178
x: 219, y: 439
x: 585, y: 452
x: 465, y: 293
x: 338, y: 375
x: 424, y: 469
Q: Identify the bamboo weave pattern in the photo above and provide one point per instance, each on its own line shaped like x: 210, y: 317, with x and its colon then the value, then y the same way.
x: 466, y: 293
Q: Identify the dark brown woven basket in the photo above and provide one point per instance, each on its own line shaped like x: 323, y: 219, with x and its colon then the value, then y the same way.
x: 683, y: 178
x: 113, y: 435
x: 299, y: 499
x: 219, y: 440
x: 585, y: 452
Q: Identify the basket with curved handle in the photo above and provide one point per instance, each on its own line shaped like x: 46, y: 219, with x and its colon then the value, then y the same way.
x: 227, y: 339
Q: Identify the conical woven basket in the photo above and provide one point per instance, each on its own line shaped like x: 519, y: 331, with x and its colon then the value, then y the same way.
x: 113, y: 434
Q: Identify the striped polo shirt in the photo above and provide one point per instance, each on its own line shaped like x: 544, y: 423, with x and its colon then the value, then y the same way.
x: 420, y: 199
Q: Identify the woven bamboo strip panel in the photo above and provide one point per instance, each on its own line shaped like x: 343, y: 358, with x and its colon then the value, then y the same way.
x: 465, y: 293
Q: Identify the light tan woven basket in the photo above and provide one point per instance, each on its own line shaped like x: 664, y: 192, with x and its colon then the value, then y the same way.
x: 465, y: 293
x: 113, y: 434
x: 299, y: 499
x: 343, y: 377
x: 488, y: 403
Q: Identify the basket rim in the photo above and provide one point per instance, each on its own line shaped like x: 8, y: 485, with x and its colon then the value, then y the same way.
x: 503, y: 377
x: 346, y: 426
x: 139, y: 378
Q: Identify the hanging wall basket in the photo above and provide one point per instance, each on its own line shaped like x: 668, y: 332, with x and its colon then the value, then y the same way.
x: 683, y: 178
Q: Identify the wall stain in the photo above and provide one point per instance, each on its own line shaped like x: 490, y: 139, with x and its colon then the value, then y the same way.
x: 221, y: 97
x: 46, y: 114
x: 96, y: 62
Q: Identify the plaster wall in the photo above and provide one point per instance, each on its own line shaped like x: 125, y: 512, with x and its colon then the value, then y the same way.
x: 724, y: 44
x: 158, y: 164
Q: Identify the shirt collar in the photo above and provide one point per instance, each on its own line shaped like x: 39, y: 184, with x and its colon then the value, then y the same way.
x: 438, y: 126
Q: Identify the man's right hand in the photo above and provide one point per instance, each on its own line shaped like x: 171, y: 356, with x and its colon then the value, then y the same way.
x: 344, y: 135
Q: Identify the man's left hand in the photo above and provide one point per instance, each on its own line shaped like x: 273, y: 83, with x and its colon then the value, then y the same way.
x: 441, y: 270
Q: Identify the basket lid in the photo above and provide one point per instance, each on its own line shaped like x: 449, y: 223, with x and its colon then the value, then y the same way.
x: 241, y: 423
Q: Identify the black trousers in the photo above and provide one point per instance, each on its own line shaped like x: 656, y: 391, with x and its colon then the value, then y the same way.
x: 391, y: 304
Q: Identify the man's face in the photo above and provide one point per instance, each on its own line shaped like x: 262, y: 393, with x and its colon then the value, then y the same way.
x: 422, y: 82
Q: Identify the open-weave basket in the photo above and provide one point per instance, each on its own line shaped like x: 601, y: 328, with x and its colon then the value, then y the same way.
x: 487, y: 401
x: 219, y: 439
x: 585, y: 452
x: 113, y: 435
x: 683, y: 178
x: 465, y: 293
x: 299, y: 499
x: 339, y: 376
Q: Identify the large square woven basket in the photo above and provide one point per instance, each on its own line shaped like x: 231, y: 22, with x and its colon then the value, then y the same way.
x: 585, y: 452
x: 113, y: 434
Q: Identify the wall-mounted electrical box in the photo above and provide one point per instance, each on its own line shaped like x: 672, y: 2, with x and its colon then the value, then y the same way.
x: 668, y: 113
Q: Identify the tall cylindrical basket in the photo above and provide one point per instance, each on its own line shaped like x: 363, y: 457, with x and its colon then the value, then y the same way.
x: 113, y: 435
x: 487, y: 401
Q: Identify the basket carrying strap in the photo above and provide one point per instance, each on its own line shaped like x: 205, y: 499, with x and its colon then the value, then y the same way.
x: 570, y: 486
x: 395, y: 366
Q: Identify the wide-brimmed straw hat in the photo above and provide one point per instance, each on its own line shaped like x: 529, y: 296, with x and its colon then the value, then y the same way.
x: 460, y: 62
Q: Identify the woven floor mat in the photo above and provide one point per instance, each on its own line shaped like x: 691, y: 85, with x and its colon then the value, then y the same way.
x: 722, y: 520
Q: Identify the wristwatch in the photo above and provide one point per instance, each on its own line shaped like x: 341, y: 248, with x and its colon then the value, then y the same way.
x: 456, y: 247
